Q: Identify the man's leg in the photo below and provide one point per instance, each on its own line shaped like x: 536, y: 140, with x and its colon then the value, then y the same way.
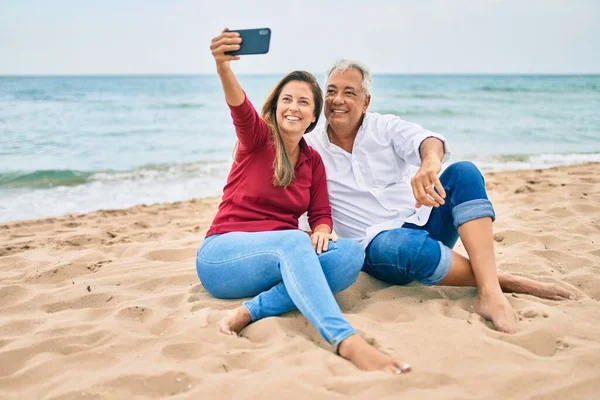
x: 403, y: 255
x: 469, y: 214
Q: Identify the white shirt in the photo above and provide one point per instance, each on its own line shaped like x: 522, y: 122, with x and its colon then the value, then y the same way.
x: 369, y: 189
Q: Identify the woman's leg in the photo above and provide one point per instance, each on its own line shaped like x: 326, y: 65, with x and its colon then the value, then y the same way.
x: 274, y: 267
x: 280, y: 266
x: 341, y: 265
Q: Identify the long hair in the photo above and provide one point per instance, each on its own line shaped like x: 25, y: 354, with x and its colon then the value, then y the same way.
x: 283, y: 170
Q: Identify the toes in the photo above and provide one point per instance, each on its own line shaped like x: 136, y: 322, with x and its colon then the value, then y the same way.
x: 394, y: 370
x: 405, y: 368
x: 399, y: 369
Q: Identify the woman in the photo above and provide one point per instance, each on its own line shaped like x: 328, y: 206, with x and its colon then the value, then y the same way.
x: 254, y: 246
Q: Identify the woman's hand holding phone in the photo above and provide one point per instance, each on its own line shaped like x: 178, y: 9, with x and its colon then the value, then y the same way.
x: 226, y: 41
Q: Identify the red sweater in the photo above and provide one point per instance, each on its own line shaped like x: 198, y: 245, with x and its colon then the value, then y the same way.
x: 251, y: 203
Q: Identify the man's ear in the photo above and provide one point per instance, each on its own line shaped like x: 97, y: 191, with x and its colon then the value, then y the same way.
x: 367, y: 102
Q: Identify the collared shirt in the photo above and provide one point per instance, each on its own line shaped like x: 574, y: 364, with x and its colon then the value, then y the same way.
x: 369, y: 189
x: 251, y: 203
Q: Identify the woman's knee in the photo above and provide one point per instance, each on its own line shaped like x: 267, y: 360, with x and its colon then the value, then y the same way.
x: 343, y: 264
x: 293, y: 239
x: 349, y: 254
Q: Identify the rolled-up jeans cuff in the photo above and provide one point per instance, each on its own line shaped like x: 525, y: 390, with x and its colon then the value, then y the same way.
x: 473, y: 209
x: 442, y: 268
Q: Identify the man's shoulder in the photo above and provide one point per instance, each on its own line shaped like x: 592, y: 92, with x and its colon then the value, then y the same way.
x: 315, y: 137
x: 376, y: 119
x: 377, y: 124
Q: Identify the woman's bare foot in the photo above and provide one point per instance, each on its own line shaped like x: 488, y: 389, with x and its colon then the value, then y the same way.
x: 542, y: 290
x: 496, y: 308
x: 366, y: 357
x: 234, y: 321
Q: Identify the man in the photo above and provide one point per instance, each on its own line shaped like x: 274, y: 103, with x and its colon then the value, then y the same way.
x: 367, y: 158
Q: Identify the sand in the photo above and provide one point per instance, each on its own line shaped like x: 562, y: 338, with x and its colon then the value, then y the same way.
x: 108, y: 305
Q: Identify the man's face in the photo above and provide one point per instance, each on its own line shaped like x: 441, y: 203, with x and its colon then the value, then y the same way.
x: 345, y: 99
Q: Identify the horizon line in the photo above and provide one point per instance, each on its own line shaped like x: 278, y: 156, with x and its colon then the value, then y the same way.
x: 142, y: 74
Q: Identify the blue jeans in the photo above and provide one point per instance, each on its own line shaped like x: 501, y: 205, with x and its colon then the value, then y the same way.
x: 283, y: 272
x: 423, y: 253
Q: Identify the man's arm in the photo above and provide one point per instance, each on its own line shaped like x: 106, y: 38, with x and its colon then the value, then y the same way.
x: 426, y: 185
x: 418, y: 147
x: 432, y: 147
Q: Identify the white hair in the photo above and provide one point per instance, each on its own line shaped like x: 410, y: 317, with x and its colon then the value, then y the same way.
x: 343, y: 65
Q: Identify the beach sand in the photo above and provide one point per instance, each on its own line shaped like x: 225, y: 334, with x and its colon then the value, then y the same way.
x: 108, y: 305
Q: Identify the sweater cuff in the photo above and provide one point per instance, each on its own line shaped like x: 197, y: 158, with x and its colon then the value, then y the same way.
x: 322, y: 221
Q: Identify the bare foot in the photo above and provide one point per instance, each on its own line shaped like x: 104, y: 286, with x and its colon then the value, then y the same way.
x: 234, y: 321
x: 496, y: 308
x: 366, y: 357
x: 543, y: 290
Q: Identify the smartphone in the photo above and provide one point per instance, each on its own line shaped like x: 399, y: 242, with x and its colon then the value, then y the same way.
x: 254, y: 41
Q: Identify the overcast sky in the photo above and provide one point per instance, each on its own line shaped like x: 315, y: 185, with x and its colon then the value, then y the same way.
x: 401, y: 36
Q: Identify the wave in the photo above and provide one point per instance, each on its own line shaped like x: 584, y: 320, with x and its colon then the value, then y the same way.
x: 506, y: 162
x: 39, y: 95
x: 179, y: 106
x: 438, y: 96
x: 54, y: 178
x: 509, y: 89
x: 44, y: 178
x: 420, y: 111
x: 563, y: 89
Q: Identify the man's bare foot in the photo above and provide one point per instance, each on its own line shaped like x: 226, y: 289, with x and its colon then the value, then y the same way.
x: 366, y: 357
x: 234, y: 321
x: 542, y: 290
x: 496, y: 308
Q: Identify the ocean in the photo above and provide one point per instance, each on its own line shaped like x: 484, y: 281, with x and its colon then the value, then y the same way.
x: 79, y: 144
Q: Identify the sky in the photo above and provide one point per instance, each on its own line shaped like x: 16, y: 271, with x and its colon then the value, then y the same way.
x: 68, y: 37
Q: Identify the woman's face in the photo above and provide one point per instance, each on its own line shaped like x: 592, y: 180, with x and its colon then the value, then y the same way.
x: 295, y: 109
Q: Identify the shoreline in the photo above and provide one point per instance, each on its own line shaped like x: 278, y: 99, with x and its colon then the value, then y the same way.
x: 108, y: 305
x: 211, y: 199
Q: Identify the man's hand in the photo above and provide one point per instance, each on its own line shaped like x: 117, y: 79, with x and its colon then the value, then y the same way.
x: 320, y: 241
x: 426, y: 185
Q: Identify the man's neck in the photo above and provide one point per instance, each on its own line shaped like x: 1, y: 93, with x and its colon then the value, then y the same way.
x: 343, y: 138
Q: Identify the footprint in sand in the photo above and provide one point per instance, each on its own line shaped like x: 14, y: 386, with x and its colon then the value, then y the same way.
x: 541, y: 342
x: 531, y: 313
x: 15, y: 248
x: 136, y: 314
x: 67, y: 272
x: 97, y: 265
